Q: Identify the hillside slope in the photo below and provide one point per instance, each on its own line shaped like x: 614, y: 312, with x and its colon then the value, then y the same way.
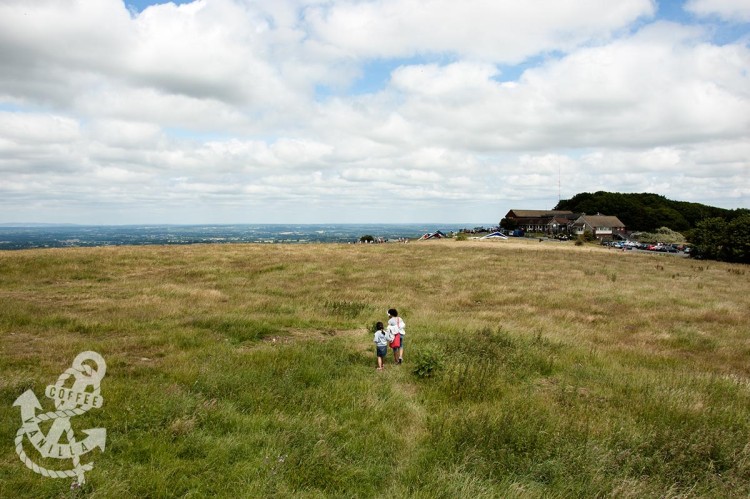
x: 249, y: 370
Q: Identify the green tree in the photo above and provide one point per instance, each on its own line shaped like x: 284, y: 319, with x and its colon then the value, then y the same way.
x: 738, y: 239
x: 709, y: 238
x: 646, y: 211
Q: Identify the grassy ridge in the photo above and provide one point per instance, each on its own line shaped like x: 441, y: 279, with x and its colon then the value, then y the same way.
x: 248, y: 370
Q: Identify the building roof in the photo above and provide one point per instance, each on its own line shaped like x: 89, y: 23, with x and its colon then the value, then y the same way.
x: 561, y: 220
x: 599, y: 221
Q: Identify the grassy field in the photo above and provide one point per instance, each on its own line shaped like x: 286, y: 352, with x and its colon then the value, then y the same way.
x: 249, y: 370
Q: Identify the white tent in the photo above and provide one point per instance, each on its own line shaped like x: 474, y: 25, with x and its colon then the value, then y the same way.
x: 495, y: 235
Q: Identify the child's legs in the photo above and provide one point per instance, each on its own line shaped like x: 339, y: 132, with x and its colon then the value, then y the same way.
x: 381, y: 351
x: 401, y: 349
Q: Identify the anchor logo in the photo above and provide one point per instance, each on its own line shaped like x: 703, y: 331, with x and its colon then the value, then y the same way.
x: 69, y: 402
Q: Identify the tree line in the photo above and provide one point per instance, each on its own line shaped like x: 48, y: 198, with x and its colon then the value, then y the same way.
x: 716, y: 233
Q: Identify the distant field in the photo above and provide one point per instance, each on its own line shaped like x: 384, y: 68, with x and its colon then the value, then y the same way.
x: 248, y: 370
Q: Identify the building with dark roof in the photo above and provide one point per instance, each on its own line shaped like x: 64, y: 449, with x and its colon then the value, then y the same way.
x: 545, y: 221
x: 556, y: 222
x: 601, y: 226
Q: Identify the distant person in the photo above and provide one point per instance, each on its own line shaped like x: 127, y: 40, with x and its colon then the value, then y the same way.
x: 397, y: 326
x: 381, y: 344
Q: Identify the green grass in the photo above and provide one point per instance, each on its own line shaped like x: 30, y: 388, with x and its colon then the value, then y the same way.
x: 249, y: 370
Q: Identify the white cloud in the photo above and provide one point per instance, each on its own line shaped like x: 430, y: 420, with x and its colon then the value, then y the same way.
x: 662, y: 85
x: 713, y: 173
x: 227, y: 106
x: 109, y: 175
x: 125, y: 134
x: 490, y: 30
x: 454, y: 82
x: 301, y: 152
x: 729, y: 10
x: 35, y: 129
x: 52, y: 50
x: 387, y: 178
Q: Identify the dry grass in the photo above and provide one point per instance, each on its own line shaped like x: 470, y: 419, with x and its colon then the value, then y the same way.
x: 581, y: 334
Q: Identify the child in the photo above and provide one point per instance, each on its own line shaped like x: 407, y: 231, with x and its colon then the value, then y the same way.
x: 397, y: 326
x: 381, y: 344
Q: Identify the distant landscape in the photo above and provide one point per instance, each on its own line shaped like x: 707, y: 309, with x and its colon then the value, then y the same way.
x: 25, y: 236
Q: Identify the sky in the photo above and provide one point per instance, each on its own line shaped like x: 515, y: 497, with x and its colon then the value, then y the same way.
x: 359, y: 111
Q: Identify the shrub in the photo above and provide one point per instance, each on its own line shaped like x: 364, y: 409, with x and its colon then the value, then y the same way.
x: 428, y: 362
x: 662, y: 235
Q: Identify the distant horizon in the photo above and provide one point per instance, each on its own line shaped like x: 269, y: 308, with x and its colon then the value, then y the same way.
x: 524, y: 206
x: 17, y: 237
x: 191, y: 224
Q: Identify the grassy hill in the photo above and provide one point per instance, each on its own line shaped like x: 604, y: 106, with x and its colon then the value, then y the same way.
x: 249, y: 370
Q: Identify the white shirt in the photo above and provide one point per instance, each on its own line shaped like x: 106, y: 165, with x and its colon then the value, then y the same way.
x: 397, y: 325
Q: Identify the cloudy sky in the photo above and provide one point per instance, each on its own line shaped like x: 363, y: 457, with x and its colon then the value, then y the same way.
x: 335, y: 111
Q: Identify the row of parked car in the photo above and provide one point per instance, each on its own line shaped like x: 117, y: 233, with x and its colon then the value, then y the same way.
x: 660, y: 247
